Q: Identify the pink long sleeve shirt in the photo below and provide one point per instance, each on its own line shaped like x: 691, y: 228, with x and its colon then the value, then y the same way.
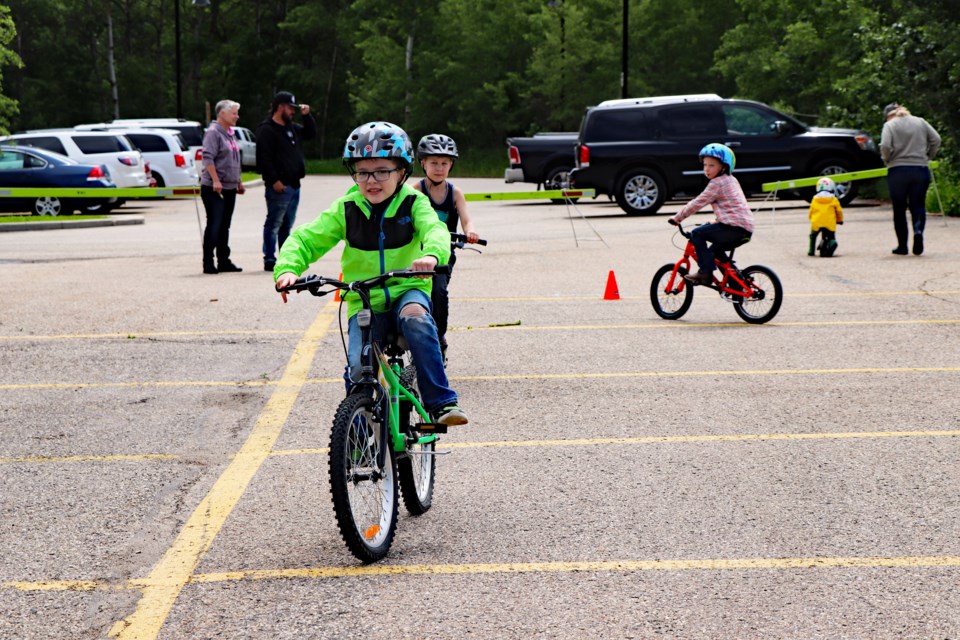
x: 729, y: 204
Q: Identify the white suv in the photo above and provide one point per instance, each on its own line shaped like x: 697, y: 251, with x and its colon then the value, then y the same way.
x: 90, y: 147
x: 171, y: 163
x: 191, y: 130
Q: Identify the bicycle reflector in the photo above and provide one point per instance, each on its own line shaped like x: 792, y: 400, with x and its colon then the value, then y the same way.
x: 364, y: 318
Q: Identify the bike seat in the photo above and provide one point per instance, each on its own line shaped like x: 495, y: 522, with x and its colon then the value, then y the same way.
x: 730, y: 246
x: 394, y: 344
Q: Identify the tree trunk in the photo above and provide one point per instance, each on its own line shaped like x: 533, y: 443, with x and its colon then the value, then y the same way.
x: 111, y: 66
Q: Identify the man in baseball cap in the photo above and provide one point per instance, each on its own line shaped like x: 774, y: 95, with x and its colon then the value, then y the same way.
x: 280, y: 161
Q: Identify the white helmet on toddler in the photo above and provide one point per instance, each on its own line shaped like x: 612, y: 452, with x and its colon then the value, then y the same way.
x: 826, y: 184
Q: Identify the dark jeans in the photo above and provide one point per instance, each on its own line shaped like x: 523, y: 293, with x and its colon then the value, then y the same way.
x: 715, y: 233
x: 216, y: 237
x: 440, y: 298
x: 281, y: 214
x: 908, y: 188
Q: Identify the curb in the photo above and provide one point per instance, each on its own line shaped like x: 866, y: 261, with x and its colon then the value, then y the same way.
x: 70, y: 224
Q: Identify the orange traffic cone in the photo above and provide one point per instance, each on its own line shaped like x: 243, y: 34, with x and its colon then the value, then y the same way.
x: 336, y: 296
x: 612, y: 292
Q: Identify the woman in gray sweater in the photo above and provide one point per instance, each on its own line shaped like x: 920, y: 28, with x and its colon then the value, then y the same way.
x: 907, y: 144
x: 219, y: 185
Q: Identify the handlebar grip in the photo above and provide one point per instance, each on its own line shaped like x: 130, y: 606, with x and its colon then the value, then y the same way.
x: 481, y: 241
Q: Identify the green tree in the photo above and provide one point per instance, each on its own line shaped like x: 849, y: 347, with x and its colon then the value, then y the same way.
x: 8, y: 58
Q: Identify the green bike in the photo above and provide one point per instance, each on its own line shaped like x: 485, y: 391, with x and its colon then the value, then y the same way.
x: 383, y: 441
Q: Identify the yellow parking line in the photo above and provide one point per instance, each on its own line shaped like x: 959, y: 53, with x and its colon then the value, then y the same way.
x: 838, y: 294
x: 568, y: 567
x: 690, y: 374
x: 90, y: 458
x: 580, y: 442
x: 174, y: 570
x: 685, y: 325
x: 625, y: 566
x: 133, y: 335
x: 518, y: 376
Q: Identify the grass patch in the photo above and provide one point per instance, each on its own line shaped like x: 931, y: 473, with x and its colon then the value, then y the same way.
x: 48, y: 218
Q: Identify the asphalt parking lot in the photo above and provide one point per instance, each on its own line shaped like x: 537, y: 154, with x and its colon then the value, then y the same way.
x: 163, y: 462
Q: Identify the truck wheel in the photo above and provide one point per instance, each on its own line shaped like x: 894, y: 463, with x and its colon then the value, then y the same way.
x: 846, y: 191
x: 641, y: 192
x: 558, y: 178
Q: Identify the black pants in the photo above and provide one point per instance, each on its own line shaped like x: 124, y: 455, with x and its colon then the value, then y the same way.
x: 216, y: 237
x: 827, y: 237
x: 908, y: 189
x: 440, y: 299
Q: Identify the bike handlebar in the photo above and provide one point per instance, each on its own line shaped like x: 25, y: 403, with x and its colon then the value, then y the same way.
x: 460, y: 238
x: 312, y: 283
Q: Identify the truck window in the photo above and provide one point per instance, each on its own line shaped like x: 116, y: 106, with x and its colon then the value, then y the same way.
x: 617, y: 125
x: 742, y: 120
x: 692, y: 121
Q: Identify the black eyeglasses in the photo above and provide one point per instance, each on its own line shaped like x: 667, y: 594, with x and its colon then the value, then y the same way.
x: 380, y: 175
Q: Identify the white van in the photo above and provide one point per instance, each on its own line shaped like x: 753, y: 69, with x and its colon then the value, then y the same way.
x: 90, y: 147
x: 171, y: 163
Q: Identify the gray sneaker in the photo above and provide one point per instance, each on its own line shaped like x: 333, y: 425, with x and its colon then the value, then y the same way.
x: 452, y: 415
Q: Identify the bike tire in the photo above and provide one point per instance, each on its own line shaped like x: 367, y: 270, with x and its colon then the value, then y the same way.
x: 670, y: 305
x: 760, y: 309
x: 417, y: 467
x: 365, y: 498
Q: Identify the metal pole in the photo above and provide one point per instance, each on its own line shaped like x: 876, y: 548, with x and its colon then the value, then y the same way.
x: 176, y: 30
x: 625, y: 23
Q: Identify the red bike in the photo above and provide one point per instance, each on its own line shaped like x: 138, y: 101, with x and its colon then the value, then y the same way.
x: 755, y: 292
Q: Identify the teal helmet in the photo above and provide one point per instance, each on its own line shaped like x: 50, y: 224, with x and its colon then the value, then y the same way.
x: 722, y: 153
x: 378, y: 140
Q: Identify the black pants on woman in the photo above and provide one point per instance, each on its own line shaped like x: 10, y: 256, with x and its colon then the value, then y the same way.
x: 908, y: 190
x: 216, y: 237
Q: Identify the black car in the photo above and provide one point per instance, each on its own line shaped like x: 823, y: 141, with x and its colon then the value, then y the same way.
x: 644, y: 151
x: 31, y: 168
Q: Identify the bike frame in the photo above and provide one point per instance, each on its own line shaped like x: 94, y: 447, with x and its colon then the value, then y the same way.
x: 731, y: 276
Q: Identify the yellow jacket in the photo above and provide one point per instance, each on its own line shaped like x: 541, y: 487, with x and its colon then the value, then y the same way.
x: 825, y: 212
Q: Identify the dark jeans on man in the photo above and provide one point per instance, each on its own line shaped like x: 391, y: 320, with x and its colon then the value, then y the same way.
x: 908, y: 188
x: 281, y: 214
x: 216, y: 237
x: 715, y: 233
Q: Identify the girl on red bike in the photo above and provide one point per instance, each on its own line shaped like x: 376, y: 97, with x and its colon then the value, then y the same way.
x: 734, y: 220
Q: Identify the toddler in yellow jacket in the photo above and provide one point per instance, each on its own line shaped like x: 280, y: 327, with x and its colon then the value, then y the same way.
x: 825, y: 214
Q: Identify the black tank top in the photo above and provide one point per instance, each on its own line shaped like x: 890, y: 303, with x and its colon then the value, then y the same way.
x: 446, y: 210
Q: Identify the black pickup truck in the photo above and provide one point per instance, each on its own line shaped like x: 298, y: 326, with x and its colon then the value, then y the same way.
x: 545, y: 159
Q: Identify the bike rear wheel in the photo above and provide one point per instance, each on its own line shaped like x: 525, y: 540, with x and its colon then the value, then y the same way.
x: 417, y: 468
x: 670, y: 303
x: 365, y: 498
x: 763, y: 306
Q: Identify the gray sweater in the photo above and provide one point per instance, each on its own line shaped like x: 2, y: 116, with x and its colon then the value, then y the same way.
x: 221, y: 150
x: 908, y: 141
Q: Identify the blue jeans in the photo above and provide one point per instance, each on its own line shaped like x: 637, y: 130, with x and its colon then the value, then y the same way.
x: 908, y: 188
x: 281, y: 214
x: 421, y: 335
x: 715, y: 233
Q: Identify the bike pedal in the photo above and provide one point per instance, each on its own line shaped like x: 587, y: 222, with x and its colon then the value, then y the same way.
x: 432, y: 427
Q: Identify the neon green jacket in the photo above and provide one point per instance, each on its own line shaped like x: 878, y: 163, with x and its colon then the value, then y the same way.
x: 408, y: 229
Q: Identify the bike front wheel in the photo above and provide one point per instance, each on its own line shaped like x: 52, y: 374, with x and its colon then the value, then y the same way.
x: 417, y: 467
x: 670, y: 302
x: 765, y: 303
x: 364, y: 490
